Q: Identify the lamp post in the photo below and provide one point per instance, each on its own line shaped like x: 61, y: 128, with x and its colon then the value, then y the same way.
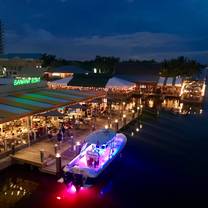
x: 116, y: 125
x: 78, y: 148
x: 133, y: 114
x: 138, y: 110
x: 124, y: 120
x: 56, y: 148
x: 58, y: 163
x: 123, y: 108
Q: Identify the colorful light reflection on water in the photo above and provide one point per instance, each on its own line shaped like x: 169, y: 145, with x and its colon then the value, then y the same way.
x: 84, y: 197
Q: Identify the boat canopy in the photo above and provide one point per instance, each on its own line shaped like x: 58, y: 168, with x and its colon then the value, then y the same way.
x: 101, y: 136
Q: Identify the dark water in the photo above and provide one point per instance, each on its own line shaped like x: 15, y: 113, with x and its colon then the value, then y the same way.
x: 164, y: 164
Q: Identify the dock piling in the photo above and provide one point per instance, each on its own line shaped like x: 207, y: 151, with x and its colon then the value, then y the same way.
x: 42, y: 155
x: 58, y: 163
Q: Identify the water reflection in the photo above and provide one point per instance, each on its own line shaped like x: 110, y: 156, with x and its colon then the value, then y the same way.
x: 15, y: 189
x: 145, y: 128
x: 174, y: 105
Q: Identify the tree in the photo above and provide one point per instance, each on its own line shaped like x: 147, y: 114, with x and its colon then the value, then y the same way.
x: 180, y: 66
x: 106, y: 64
x: 48, y: 60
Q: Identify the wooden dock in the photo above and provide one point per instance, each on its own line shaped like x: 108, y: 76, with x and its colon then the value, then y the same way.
x: 31, y: 155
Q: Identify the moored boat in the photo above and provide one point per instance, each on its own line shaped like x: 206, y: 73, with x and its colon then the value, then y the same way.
x: 100, y: 149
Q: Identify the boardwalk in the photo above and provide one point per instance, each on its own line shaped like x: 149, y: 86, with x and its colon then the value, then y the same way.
x: 31, y: 155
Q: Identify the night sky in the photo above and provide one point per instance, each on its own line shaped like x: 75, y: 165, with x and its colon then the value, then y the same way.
x: 81, y: 29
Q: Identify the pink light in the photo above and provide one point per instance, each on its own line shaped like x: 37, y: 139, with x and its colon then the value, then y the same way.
x: 73, y: 189
x: 58, y: 197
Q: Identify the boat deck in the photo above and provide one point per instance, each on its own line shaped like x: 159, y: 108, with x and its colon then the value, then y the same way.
x: 105, y: 154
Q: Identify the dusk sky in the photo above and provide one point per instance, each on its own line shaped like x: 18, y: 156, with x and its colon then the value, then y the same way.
x: 81, y: 29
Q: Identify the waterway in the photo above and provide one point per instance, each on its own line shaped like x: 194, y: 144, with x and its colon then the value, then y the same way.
x: 164, y: 164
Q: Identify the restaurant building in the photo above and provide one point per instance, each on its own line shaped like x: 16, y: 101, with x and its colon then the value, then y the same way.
x: 144, y: 74
x: 24, y: 103
x: 170, y: 86
x: 63, y: 72
x: 15, y: 64
x: 115, y: 87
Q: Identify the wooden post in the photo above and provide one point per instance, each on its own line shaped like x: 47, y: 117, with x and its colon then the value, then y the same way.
x: 58, y: 163
x: 5, y: 144
x: 35, y: 135
x: 13, y: 148
x: 56, y: 148
x: 42, y: 155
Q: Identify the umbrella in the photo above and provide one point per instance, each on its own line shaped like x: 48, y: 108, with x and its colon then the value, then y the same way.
x: 78, y: 106
x: 52, y: 113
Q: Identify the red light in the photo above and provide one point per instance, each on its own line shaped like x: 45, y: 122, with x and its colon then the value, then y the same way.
x: 58, y: 197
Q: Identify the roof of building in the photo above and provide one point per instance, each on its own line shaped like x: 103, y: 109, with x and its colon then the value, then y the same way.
x: 116, y: 82
x: 170, y: 81
x: 178, y: 82
x: 99, y: 81
x: 161, y: 81
x: 63, y: 82
x: 20, y: 104
x: 89, y: 80
x: 139, y: 72
x: 21, y: 56
x: 68, y: 69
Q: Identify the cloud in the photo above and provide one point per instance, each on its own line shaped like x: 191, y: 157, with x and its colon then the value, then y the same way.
x: 142, y: 45
x: 141, y: 39
x: 130, y: 1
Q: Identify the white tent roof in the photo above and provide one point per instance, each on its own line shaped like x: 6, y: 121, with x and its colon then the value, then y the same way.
x: 161, y: 81
x: 116, y: 82
x: 169, y: 81
x: 63, y: 81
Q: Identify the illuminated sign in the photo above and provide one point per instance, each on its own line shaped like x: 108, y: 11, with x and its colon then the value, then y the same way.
x: 26, y: 80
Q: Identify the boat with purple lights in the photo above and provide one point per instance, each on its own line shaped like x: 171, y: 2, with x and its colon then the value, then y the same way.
x: 100, y: 149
